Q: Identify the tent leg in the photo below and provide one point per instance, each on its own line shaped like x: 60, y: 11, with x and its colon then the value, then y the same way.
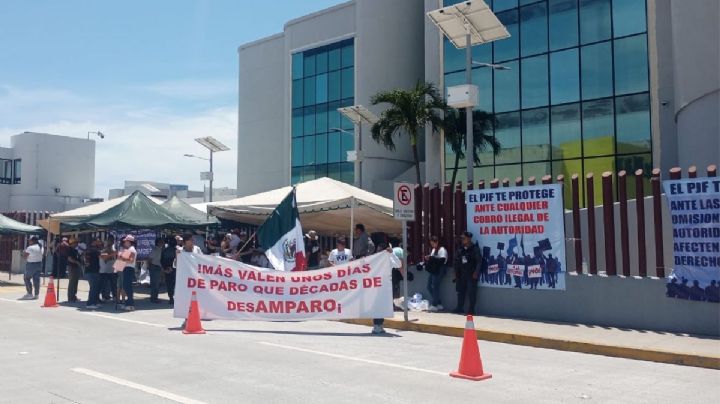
x: 352, y: 222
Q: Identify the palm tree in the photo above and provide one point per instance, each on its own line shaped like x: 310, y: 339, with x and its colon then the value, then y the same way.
x: 409, y: 112
x: 454, y: 128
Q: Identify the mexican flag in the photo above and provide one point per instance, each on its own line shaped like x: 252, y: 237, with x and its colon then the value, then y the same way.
x: 281, y: 237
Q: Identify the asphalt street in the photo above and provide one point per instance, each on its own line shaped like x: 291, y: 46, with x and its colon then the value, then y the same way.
x: 67, y: 355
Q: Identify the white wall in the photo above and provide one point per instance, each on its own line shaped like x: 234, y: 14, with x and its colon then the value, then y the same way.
x: 50, y: 162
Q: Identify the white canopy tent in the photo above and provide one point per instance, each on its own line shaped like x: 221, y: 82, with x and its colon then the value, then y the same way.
x: 325, y: 205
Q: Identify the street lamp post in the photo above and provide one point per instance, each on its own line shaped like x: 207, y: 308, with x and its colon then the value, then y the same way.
x: 466, y: 24
x: 358, y: 115
x: 213, y: 145
x: 98, y: 133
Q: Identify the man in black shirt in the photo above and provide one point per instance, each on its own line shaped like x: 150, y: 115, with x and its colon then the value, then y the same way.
x: 74, y: 271
x: 467, y: 271
x: 92, y: 273
x: 312, y: 250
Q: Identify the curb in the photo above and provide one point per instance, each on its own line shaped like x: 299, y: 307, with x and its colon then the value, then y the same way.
x: 674, y: 358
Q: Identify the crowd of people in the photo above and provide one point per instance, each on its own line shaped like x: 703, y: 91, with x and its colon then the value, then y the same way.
x: 681, y: 290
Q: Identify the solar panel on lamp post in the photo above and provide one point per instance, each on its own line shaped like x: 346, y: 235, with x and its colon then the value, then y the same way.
x: 213, y: 145
x: 466, y: 24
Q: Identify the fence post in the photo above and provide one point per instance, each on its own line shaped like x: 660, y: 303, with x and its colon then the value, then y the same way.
x: 592, y: 248
x: 657, y: 215
x: 494, y: 183
x: 675, y: 173
x: 505, y: 182
x: 560, y: 179
x: 609, y: 223
x: 547, y: 179
x: 712, y: 170
x: 481, y: 184
x: 518, y: 181
x: 577, y: 241
x: 692, y: 172
x: 427, y: 208
x: 460, y: 212
x: 624, y: 232
x: 418, y: 224
x: 640, y: 213
x: 435, y: 210
x: 531, y: 181
x: 448, y: 220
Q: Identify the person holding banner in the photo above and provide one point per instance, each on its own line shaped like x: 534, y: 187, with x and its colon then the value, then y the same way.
x: 341, y: 254
x: 467, y: 272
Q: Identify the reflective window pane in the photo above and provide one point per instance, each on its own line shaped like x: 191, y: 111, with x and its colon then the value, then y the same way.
x: 566, y: 133
x: 334, y: 86
x: 321, y: 146
x: 308, y: 174
x: 506, y: 49
x: 563, y: 23
x: 309, y: 121
x: 321, y: 88
x: 510, y: 172
x: 596, y: 76
x: 594, y: 20
x: 486, y: 174
x: 321, y: 62
x: 482, y: 77
x: 631, y: 65
x: 347, y: 173
x: 598, y: 127
x: 534, y: 81
x: 533, y: 29
x: 296, y: 176
x: 309, y: 91
x: 321, y: 118
x: 633, y: 163
x: 309, y: 150
x: 321, y: 170
x: 537, y: 170
x: 348, y: 87
x: 564, y: 77
x: 334, y: 147
x: 297, y: 65
x: 508, y: 134
x: 297, y: 152
x: 334, y: 172
x: 348, y: 143
x: 507, y: 88
x: 535, y: 135
x: 628, y: 17
x: 297, y: 93
x: 348, y: 56
x: 597, y: 166
x: 309, y: 68
x: 334, y: 59
x: 454, y: 57
x: 632, y: 114
x: 567, y: 168
x: 500, y: 5
x: 297, y: 122
x: 333, y: 116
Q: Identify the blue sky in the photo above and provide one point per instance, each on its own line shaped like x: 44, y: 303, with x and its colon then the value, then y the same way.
x: 151, y: 74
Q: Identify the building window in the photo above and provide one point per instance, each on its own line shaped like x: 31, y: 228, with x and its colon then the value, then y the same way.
x: 6, y: 176
x: 577, y: 98
x: 17, y: 171
x: 322, y: 81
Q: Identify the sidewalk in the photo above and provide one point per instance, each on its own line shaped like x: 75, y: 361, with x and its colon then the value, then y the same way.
x: 679, y: 349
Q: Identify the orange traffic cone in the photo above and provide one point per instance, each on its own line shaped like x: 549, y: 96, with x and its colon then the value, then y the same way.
x: 192, y: 323
x: 50, y: 300
x: 471, y: 367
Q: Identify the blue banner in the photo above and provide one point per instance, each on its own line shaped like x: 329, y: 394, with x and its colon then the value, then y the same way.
x: 695, y: 216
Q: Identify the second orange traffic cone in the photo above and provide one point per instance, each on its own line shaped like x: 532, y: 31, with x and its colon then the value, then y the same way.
x: 50, y: 300
x: 471, y: 367
x: 192, y: 323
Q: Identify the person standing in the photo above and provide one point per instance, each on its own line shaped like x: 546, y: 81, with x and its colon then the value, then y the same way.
x: 128, y: 257
x: 92, y: 273
x: 361, y: 242
x: 435, y: 266
x: 108, y: 278
x: 62, y: 250
x: 312, y: 250
x: 33, y: 256
x: 167, y: 260
x: 467, y: 271
x: 73, y: 270
x: 155, y: 268
x: 341, y: 254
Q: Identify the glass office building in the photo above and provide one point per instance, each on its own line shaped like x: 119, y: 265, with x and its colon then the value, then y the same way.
x: 576, y: 97
x: 322, y: 82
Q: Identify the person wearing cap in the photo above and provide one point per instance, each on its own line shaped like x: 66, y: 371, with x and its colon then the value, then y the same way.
x: 128, y: 256
x: 467, y: 272
x: 340, y: 255
x: 73, y: 270
x: 33, y: 256
x: 312, y: 250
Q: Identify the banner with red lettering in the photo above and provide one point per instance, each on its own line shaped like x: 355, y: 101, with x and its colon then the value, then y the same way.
x: 521, y: 234
x: 231, y: 290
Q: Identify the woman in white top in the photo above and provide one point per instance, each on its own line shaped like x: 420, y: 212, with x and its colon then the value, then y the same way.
x: 33, y: 256
x: 341, y: 255
x: 435, y: 265
x: 128, y: 256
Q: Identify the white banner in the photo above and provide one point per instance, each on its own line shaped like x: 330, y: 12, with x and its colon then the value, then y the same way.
x: 228, y: 289
x: 521, y: 235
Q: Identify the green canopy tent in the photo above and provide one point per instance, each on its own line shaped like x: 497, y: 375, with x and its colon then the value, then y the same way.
x: 10, y: 227
x: 184, y: 210
x: 136, y: 212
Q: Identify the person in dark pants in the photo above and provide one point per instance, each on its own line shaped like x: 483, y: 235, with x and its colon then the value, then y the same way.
x: 467, y: 272
x: 155, y: 269
x: 108, y: 278
x: 92, y: 274
x: 128, y: 255
x: 167, y: 260
x: 378, y: 323
x: 312, y: 250
x: 73, y: 270
x: 435, y: 266
x: 33, y: 255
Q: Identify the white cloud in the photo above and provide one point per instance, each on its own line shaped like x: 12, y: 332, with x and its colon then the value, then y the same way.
x: 141, y: 143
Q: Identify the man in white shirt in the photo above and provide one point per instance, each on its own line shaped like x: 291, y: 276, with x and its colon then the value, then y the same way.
x: 341, y: 255
x: 189, y: 245
x: 34, y: 256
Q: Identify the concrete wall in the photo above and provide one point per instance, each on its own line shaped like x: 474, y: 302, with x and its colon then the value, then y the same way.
x: 434, y: 143
x: 50, y: 162
x: 637, y: 303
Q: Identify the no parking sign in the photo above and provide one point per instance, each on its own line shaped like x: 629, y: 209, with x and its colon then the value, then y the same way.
x: 404, y: 202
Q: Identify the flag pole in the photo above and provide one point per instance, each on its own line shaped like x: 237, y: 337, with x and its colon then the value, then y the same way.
x: 352, y: 222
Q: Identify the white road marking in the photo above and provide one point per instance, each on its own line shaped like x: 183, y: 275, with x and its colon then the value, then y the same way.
x: 137, y: 386
x: 352, y: 358
x: 124, y: 320
x: 14, y: 300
